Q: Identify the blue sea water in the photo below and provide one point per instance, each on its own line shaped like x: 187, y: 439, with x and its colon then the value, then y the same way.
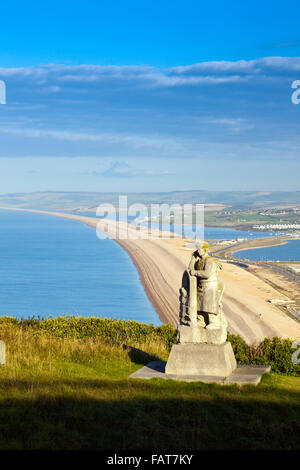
x: 288, y: 252
x: 213, y: 233
x: 52, y: 266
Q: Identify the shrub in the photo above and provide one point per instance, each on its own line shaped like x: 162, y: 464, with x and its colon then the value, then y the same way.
x: 108, y: 330
x: 240, y: 348
x: 275, y: 352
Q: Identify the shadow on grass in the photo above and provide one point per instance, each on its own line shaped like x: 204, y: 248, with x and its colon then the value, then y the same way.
x: 138, y: 356
x: 131, y: 415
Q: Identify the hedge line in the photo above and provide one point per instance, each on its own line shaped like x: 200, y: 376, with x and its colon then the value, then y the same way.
x: 108, y: 330
x: 275, y: 352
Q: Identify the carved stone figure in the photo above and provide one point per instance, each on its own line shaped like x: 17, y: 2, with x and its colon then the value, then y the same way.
x: 209, y: 290
x: 202, y: 348
x: 200, y: 296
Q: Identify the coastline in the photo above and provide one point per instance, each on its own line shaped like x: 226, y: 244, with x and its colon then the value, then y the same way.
x: 165, y: 303
x: 254, y: 245
x: 257, y: 247
x: 161, y: 263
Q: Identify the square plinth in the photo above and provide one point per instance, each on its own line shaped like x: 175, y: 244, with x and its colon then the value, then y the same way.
x: 194, y: 334
x: 201, y: 359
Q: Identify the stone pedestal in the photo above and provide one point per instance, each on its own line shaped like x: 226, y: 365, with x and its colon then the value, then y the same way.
x: 2, y: 353
x: 202, y: 352
x: 242, y: 375
x: 194, y: 334
x: 201, y: 359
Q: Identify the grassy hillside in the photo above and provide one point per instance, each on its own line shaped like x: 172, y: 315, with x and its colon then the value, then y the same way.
x: 61, y: 391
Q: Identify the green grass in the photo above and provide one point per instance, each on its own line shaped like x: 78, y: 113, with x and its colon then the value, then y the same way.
x: 68, y: 393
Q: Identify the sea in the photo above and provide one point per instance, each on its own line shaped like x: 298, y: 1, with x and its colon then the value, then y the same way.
x: 211, y: 233
x: 51, y: 266
x: 288, y: 252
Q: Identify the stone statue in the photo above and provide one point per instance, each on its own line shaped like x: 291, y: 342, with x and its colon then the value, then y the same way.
x: 202, y: 352
x: 209, y: 290
x: 202, y: 348
x: 201, y: 294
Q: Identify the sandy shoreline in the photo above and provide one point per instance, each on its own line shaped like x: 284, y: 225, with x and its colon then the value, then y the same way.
x: 161, y: 262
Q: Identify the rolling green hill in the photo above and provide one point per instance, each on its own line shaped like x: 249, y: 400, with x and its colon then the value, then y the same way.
x: 90, y: 200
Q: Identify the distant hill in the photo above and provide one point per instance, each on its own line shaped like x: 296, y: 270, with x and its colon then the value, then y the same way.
x: 90, y: 200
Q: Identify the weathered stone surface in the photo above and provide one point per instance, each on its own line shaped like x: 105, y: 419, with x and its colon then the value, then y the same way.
x: 194, y: 334
x: 201, y: 359
x: 246, y: 374
x: 2, y: 353
x: 207, y: 290
x: 200, y: 297
x: 202, y: 352
x: 242, y: 375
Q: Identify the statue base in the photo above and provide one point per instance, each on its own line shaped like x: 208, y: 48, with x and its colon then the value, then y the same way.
x: 195, y: 334
x: 242, y: 375
x: 201, y: 359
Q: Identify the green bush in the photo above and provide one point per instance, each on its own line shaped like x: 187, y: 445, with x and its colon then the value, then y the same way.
x: 109, y: 330
x: 275, y: 352
x: 240, y: 348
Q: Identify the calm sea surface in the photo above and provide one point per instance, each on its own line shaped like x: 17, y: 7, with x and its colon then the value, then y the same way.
x: 55, y: 266
x: 52, y: 266
x: 214, y: 233
x: 288, y: 252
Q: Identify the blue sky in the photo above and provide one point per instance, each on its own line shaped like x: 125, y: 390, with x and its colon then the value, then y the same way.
x: 136, y: 96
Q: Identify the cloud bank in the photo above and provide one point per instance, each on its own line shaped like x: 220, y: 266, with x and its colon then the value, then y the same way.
x: 218, y: 109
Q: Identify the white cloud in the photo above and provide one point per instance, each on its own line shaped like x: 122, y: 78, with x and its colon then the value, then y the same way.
x: 252, y: 67
x: 204, y: 73
x: 119, y: 169
x: 234, y: 124
x: 201, y: 110
x: 112, y: 138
